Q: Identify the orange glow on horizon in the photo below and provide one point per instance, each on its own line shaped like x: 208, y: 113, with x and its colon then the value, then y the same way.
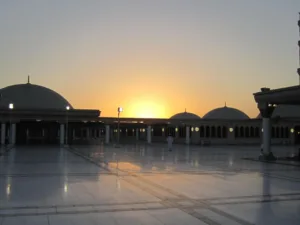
x: 144, y: 108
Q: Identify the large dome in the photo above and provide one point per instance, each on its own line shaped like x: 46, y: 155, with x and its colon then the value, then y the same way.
x: 30, y: 96
x: 226, y: 113
x: 285, y: 111
x: 184, y: 116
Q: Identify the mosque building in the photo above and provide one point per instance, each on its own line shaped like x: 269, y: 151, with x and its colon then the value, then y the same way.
x: 32, y: 114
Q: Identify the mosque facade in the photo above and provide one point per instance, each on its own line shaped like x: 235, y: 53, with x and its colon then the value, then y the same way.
x: 33, y: 114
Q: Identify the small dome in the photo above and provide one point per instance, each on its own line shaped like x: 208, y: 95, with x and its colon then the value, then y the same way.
x: 285, y: 111
x: 184, y: 116
x: 226, y: 113
x: 30, y: 96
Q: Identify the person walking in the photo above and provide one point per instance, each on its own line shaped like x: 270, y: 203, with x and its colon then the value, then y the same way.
x: 170, y: 140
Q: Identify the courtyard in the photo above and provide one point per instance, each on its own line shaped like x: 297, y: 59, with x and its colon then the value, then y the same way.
x: 146, y: 184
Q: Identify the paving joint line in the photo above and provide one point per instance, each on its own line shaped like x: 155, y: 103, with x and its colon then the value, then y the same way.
x: 56, y: 212
x: 255, y: 201
x: 79, y: 205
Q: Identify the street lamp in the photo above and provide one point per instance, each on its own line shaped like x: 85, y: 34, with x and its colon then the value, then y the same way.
x: 120, y: 109
x: 67, y: 122
x: 11, y: 107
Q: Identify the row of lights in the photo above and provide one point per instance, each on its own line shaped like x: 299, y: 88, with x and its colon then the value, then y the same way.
x: 176, y: 129
x: 141, y: 130
x: 197, y: 129
x: 272, y: 105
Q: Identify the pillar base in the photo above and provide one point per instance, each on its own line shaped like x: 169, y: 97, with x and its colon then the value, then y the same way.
x: 267, y: 157
x: 117, y: 146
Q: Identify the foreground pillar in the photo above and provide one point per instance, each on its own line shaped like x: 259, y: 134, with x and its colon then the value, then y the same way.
x: 187, y: 135
x: 266, y: 135
x: 13, y: 134
x: 107, y: 132
x: 266, y: 111
x: 62, y: 134
x: 137, y: 133
x: 3, y: 132
x: 149, y: 134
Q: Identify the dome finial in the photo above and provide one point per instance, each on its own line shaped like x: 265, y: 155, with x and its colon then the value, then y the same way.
x: 225, y: 105
x: 185, y: 110
x: 28, y: 79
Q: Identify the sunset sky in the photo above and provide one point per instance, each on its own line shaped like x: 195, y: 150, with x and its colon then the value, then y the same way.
x: 155, y: 58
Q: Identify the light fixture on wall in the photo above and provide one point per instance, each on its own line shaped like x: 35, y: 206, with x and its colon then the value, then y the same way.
x: 292, y: 130
x: 230, y: 129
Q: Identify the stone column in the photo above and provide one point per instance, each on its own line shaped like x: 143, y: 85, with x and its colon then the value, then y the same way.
x: 3, y: 132
x: 13, y: 134
x: 266, y: 111
x: 27, y: 136
x: 62, y: 134
x: 107, y: 132
x: 187, y: 135
x: 74, y: 134
x: 137, y: 133
x: 266, y: 135
x: 149, y: 134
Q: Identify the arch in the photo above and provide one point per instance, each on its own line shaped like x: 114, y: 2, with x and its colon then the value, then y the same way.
x: 182, y: 131
x: 286, y: 132
x: 157, y: 131
x: 252, y: 132
x: 247, y: 132
x: 242, y: 131
x: 202, y: 131
x: 207, y: 131
x: 236, y: 132
x: 273, y: 132
x: 224, y: 132
x: 282, y: 135
x: 219, y: 132
x: 277, y: 132
x: 130, y: 132
x: 213, y: 131
x: 257, y: 133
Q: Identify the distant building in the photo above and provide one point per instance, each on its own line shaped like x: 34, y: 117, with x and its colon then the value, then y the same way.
x: 32, y: 114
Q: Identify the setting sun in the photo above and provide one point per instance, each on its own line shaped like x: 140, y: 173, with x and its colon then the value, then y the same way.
x: 145, y: 107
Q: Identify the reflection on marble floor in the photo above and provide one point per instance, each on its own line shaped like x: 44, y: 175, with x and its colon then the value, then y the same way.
x: 146, y: 184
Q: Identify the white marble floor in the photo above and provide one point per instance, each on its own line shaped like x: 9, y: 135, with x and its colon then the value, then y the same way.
x: 140, y: 184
